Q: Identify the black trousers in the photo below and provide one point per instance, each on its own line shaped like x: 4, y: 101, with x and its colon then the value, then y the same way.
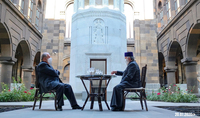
x: 66, y: 89
x: 117, y: 96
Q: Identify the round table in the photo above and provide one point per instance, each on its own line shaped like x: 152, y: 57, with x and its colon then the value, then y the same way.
x: 93, y: 94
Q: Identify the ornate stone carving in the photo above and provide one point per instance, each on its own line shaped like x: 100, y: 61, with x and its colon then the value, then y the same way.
x: 98, y: 36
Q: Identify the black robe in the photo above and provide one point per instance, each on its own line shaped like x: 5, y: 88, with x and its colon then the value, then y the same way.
x: 130, y: 79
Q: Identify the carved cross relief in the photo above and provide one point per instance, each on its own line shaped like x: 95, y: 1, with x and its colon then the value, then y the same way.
x: 98, y: 32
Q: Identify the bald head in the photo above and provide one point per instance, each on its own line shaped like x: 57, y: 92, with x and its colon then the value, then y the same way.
x: 45, y: 57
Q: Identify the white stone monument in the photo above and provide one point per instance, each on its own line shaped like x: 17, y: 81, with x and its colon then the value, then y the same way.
x: 97, y: 33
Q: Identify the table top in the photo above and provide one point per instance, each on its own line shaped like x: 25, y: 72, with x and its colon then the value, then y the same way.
x: 95, y: 76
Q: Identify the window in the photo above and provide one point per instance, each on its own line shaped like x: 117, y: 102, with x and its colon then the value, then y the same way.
x: 159, y: 5
x: 30, y: 10
x: 21, y: 6
x: 12, y: 1
x: 38, y: 15
x: 177, y: 6
x: 168, y: 9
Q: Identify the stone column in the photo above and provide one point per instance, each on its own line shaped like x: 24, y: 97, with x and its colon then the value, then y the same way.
x: 105, y: 3
x: 75, y: 5
x: 122, y: 6
x: 6, y: 72
x: 81, y: 4
x: 191, y: 74
x: 116, y: 4
x: 27, y: 76
x: 92, y: 3
x: 171, y: 79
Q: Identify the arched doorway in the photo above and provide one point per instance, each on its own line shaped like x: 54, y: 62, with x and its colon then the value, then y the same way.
x: 192, y: 57
x: 6, y: 60
x: 23, y: 64
x: 180, y: 72
x: 66, y: 69
x: 162, y: 73
x: 174, y: 64
x: 66, y: 73
x: 5, y: 42
x: 35, y: 63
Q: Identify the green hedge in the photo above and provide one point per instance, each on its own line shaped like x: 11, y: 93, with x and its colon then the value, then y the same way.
x: 20, y: 93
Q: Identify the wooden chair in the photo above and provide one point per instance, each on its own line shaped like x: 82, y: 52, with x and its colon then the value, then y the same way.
x: 140, y: 92
x: 40, y: 96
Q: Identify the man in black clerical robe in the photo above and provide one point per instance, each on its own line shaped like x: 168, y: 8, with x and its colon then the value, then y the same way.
x: 49, y: 80
x: 130, y: 79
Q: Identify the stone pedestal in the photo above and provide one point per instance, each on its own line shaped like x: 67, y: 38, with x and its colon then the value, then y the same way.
x: 27, y: 76
x: 191, y: 76
x: 171, y: 77
x: 6, y: 72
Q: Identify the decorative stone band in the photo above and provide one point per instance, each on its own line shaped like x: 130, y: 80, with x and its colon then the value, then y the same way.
x: 93, y: 12
x: 190, y: 61
x: 8, y: 60
x: 27, y: 68
x: 170, y: 69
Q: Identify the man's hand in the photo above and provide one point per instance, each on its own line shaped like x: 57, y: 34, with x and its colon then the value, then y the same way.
x: 113, y: 72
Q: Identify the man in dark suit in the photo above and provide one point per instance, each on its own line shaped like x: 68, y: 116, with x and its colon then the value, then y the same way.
x: 49, y: 80
x: 130, y: 79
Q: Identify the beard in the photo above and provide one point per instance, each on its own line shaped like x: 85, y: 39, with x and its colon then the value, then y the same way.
x: 127, y: 61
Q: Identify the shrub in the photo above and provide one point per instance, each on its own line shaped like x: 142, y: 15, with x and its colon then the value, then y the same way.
x: 19, y: 93
x: 177, y: 95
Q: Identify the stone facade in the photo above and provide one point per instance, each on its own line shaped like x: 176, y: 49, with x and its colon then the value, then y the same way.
x: 142, y: 44
x: 178, y: 42
x: 54, y: 43
x: 20, y: 39
x: 146, y: 50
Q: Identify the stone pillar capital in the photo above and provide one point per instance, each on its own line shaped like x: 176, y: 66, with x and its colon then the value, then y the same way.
x: 190, y: 61
x: 7, y: 62
x: 27, y: 68
x: 170, y: 69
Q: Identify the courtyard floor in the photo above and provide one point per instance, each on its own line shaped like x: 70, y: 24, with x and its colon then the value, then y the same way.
x: 132, y: 110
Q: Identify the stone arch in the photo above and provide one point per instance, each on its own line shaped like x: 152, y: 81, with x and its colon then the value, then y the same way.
x: 5, y: 41
x: 68, y: 14
x: 35, y: 62
x: 160, y: 5
x: 192, y: 41
x: 41, y: 4
x: 162, y: 73
x: 66, y: 70
x: 175, y: 55
x: 6, y: 60
x: 24, y: 60
x: 129, y: 2
x: 129, y: 13
x: 67, y: 3
x: 172, y: 53
x: 26, y: 51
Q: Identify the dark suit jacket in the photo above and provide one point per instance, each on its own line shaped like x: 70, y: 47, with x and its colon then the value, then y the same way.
x: 131, y: 76
x: 48, y: 77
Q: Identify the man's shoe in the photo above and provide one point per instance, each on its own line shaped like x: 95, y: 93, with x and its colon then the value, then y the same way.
x: 116, y: 109
x: 76, y: 107
x: 59, y: 108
